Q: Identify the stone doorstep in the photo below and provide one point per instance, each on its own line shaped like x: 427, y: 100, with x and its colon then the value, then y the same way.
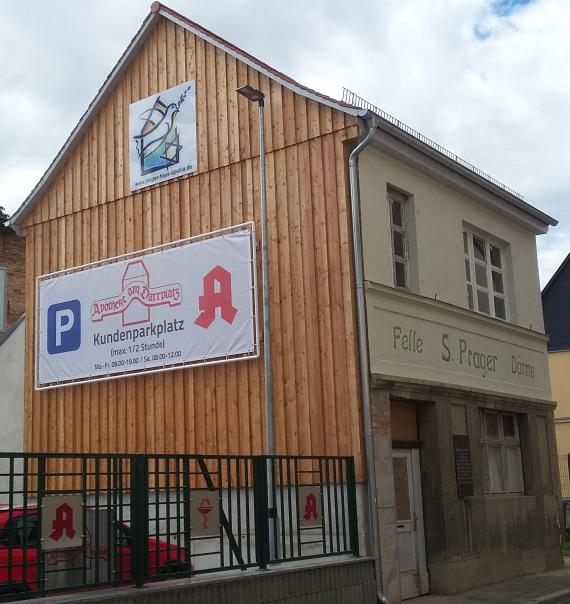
x: 217, y: 578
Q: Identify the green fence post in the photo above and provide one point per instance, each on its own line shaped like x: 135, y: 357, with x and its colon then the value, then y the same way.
x: 352, y: 509
x: 40, y: 564
x: 261, y: 511
x: 139, y: 518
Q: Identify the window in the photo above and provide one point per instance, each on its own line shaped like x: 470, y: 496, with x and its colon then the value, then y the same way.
x: 484, y: 271
x: 3, y: 273
x: 502, y: 462
x: 399, y: 245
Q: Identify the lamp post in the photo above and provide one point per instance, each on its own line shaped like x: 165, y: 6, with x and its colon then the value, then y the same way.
x: 256, y: 96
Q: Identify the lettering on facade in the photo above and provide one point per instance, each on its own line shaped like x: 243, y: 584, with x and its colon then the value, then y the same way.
x: 468, y: 356
x: 407, y: 340
x: 519, y: 367
x: 462, y: 352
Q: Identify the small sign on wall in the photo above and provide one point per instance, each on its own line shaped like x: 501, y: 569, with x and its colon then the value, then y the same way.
x: 162, y: 136
x: 463, y: 465
x: 310, y: 506
x: 205, y: 513
x: 62, y: 522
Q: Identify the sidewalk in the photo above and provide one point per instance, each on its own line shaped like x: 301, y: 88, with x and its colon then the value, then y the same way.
x: 552, y: 587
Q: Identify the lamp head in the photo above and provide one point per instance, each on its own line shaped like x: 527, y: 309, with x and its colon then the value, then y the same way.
x: 251, y: 94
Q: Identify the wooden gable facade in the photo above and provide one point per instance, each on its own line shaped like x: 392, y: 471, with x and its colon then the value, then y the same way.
x: 87, y: 212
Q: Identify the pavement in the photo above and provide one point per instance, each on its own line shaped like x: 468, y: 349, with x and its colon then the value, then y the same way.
x: 552, y: 587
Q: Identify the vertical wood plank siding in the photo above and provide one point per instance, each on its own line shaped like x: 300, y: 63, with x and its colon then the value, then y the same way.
x: 89, y: 214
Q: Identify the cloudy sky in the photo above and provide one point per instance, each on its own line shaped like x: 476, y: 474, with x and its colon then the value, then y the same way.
x: 488, y: 79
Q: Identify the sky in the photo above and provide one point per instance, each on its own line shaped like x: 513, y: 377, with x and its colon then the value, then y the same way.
x: 488, y: 79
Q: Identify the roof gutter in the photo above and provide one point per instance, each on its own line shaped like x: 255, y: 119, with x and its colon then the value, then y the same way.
x: 363, y: 352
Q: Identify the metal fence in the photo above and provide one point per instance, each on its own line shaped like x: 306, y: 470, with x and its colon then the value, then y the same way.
x: 142, y: 518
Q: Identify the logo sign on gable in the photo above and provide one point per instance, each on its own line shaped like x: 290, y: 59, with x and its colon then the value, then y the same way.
x: 62, y: 522
x: 188, y: 302
x: 162, y: 136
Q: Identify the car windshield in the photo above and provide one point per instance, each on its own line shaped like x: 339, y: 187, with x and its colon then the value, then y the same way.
x: 21, y: 531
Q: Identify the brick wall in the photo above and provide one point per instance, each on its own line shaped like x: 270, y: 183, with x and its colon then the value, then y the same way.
x: 13, y: 257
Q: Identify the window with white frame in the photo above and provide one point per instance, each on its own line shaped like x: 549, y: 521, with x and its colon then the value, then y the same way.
x: 501, y: 444
x: 485, y: 274
x: 396, y: 202
x: 3, y: 274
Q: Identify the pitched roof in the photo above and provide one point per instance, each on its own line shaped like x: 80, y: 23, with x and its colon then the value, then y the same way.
x: 6, y: 334
x: 555, y: 297
x: 556, y: 275
x: 159, y: 10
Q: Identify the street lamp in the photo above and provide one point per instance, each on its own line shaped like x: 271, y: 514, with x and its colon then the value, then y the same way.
x: 256, y: 96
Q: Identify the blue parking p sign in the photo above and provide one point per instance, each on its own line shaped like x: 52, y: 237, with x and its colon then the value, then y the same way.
x: 64, y: 327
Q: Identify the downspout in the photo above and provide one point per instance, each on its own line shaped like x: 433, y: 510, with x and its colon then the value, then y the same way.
x: 363, y: 355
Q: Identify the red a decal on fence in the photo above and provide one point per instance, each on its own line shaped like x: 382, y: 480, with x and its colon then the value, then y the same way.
x: 311, y: 507
x: 213, y: 299
x: 63, y: 522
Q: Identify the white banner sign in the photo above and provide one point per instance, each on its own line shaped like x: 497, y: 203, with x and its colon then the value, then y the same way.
x: 184, y: 303
x: 162, y: 136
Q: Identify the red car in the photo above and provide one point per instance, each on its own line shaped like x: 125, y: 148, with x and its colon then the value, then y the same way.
x: 19, y: 541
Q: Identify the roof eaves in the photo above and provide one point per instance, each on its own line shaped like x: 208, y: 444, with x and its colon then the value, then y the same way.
x: 430, y: 151
x: 252, y: 61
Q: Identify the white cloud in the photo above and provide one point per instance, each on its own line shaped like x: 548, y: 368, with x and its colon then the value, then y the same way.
x: 499, y: 102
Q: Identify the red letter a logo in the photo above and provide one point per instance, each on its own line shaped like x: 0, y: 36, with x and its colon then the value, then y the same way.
x: 213, y: 299
x: 63, y: 522
x: 311, y: 507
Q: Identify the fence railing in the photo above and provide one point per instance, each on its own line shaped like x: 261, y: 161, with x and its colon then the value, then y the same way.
x: 70, y: 522
x: 354, y: 99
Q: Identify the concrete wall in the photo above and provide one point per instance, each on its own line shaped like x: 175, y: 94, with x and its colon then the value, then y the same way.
x: 12, y: 392
x: 340, y: 582
x: 11, y: 399
x: 435, y: 217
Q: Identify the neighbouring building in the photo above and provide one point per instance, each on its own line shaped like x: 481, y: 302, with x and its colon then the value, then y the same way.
x: 12, y: 278
x: 12, y: 328
x: 467, y: 479
x: 452, y: 370
x: 555, y: 297
x: 12, y: 393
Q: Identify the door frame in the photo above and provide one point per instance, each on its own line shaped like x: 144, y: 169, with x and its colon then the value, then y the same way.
x: 419, y: 541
